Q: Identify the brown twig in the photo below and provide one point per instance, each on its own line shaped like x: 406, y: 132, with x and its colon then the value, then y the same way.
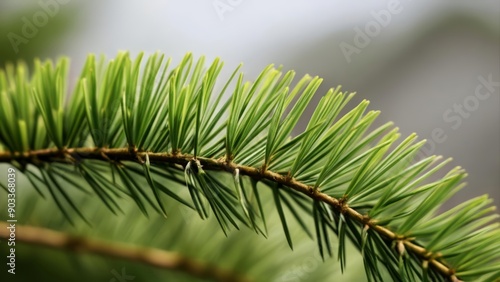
x: 149, y: 256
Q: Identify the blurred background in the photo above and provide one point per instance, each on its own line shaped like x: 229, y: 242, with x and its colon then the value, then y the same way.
x: 432, y: 67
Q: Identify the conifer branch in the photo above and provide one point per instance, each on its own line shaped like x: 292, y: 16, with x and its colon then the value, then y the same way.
x: 127, y: 126
x: 124, y: 154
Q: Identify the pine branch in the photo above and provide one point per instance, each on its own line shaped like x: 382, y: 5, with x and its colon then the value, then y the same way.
x: 125, y: 123
x: 124, y: 154
x: 153, y: 257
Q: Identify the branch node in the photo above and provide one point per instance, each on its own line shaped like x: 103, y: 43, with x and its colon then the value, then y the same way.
x: 343, y: 204
x: 134, y: 152
x: 263, y: 168
x: 367, y: 221
x: 311, y: 190
x: 229, y: 159
x: 67, y: 155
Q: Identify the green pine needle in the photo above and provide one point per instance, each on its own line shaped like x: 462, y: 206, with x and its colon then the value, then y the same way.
x: 129, y: 122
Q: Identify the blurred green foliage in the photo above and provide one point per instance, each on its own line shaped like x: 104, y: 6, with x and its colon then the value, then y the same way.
x: 13, y: 17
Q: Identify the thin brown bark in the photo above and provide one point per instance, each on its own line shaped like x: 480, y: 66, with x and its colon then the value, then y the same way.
x: 149, y: 256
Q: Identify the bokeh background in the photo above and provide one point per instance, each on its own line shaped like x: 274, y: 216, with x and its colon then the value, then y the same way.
x: 420, y: 62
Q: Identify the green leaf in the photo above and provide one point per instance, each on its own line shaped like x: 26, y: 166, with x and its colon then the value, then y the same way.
x: 151, y: 183
x: 281, y: 212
